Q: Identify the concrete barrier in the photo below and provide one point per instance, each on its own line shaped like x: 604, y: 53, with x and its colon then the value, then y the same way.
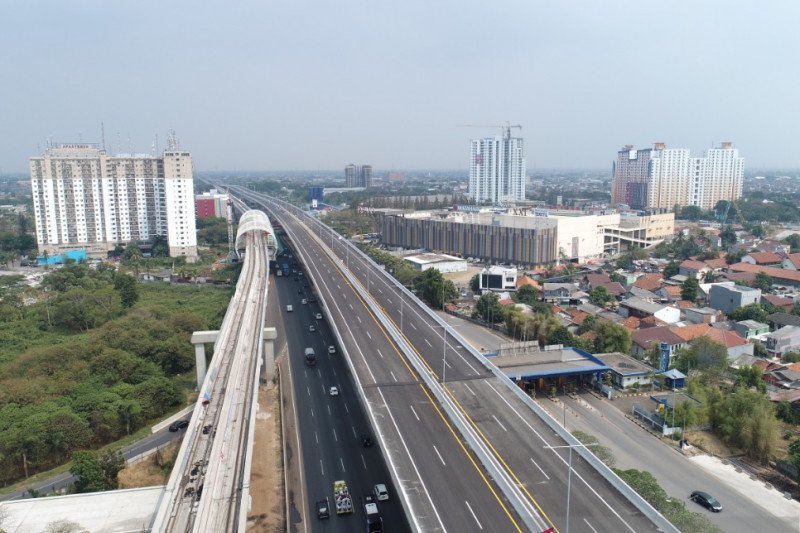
x: 167, y: 421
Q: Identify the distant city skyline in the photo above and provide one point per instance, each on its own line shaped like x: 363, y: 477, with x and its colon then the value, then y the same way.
x: 260, y: 86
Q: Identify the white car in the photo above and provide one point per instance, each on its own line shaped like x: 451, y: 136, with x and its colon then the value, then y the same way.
x: 289, y: 308
x: 319, y: 316
x: 334, y: 391
x: 304, y: 301
x: 331, y: 349
x: 311, y: 327
x: 381, y: 494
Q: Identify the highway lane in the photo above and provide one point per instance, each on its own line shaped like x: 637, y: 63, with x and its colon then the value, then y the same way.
x: 330, y: 426
x: 440, y: 460
x: 519, y: 438
x: 635, y: 448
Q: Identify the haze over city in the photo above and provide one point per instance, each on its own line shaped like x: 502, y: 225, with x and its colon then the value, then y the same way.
x: 306, y: 85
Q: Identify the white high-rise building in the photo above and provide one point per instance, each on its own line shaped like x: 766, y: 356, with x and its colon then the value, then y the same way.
x: 497, y: 169
x: 85, y: 198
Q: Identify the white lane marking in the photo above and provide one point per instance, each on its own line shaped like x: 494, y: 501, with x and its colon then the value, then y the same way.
x: 346, y: 409
x: 334, y: 371
x: 323, y: 389
x: 338, y: 286
x: 312, y: 412
x: 590, y: 525
x: 308, y: 390
x: 354, y: 432
x: 499, y: 423
x: 319, y: 372
x: 351, y: 307
x: 380, y: 291
x: 379, y: 353
x: 322, y: 467
x: 473, y: 515
x: 364, y: 462
x: 393, y: 376
x: 540, y: 468
x: 368, y: 335
x: 610, y: 508
x: 470, y: 389
x: 447, y: 364
x: 334, y: 435
x: 305, y: 373
x: 440, y: 455
x: 415, y: 413
x: 358, y: 318
x: 329, y: 410
x: 388, y: 300
x: 413, y: 326
x: 316, y: 437
x: 429, y: 343
x: 342, y: 463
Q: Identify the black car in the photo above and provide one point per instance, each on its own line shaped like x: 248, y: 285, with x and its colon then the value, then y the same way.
x: 366, y: 440
x: 323, y: 509
x: 207, y: 429
x: 312, y: 299
x: 178, y: 425
x: 706, y: 500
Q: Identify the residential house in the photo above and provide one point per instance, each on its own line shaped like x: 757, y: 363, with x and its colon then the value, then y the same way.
x: 592, y: 280
x: 644, y: 339
x: 778, y: 320
x: 649, y: 282
x: 769, y: 245
x: 779, y: 275
x: 750, y: 328
x: 700, y: 315
x: 642, y: 308
x: 558, y: 292
x: 791, y: 262
x: 763, y: 258
x: 690, y: 267
x: 735, y: 344
x: 643, y: 294
x: 716, y: 264
x: 726, y: 299
x: 785, y: 305
x: 786, y: 339
x: 671, y: 293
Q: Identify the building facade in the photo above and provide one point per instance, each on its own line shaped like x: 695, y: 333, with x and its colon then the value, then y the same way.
x: 358, y: 175
x: 211, y: 204
x: 85, y: 198
x: 497, y: 169
x: 661, y: 177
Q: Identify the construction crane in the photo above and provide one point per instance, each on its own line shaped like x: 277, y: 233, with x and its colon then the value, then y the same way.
x: 505, y: 127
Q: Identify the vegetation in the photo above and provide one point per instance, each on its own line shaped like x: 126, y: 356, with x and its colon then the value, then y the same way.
x: 752, y: 311
x: 704, y: 355
x: 489, y: 309
x: 349, y: 222
x: 434, y: 289
x: 15, y: 239
x: 94, y: 358
x: 402, y: 270
x: 600, y: 296
x: 211, y: 231
x: 526, y: 294
x: 672, y: 269
x: 531, y: 326
x: 610, y: 337
x: 690, y: 289
x: 763, y: 281
x: 95, y: 472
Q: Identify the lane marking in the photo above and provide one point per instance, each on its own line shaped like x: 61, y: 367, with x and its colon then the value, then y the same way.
x: 393, y: 376
x: 308, y: 390
x: 439, y: 455
x: 590, y: 525
x: 368, y: 335
x: 342, y: 463
x: 346, y: 409
x: 540, y: 468
x: 470, y: 389
x: 364, y: 462
x: 473, y: 515
x: 351, y: 307
x: 415, y: 413
x: 322, y: 467
x: 499, y: 423
x: 316, y: 437
x: 312, y: 412
x: 358, y: 318
x: 329, y: 410
x: 335, y: 437
x: 354, y: 432
x: 380, y: 291
x: 429, y: 343
x: 388, y: 300
x: 412, y: 325
x: 379, y: 353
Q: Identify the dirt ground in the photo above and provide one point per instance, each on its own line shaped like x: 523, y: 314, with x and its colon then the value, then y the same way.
x: 461, y: 279
x: 149, y: 472
x: 266, y: 476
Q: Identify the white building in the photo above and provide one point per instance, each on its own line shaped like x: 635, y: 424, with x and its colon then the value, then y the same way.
x: 497, y: 169
x: 442, y: 262
x: 497, y: 278
x: 85, y: 198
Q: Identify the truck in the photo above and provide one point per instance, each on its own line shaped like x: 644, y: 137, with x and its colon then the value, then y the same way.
x: 373, y: 522
x: 342, y: 498
x: 311, y: 357
x: 285, y: 269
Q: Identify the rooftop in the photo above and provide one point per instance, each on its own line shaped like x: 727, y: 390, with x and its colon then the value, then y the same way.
x: 426, y: 259
x: 544, y: 363
x: 775, y: 272
x: 624, y: 364
x: 642, y: 305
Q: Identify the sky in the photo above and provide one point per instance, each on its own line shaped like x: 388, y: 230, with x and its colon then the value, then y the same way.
x: 302, y: 85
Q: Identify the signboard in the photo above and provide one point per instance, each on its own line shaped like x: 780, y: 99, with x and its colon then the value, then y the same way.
x: 541, y: 213
x: 664, y: 360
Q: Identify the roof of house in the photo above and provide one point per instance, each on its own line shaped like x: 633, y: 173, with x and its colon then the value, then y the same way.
x: 746, y: 277
x: 716, y: 264
x: 598, y: 279
x: 642, y: 305
x: 647, y: 336
x: 684, y: 304
x: 558, y: 286
x: 784, y: 319
x: 763, y: 258
x: 643, y: 293
x: 673, y: 291
x: 785, y: 331
x: 579, y: 317
x: 649, y: 282
x: 777, y: 301
x: 624, y: 364
x: 690, y: 264
x: 775, y: 272
x: 614, y: 288
x: 729, y: 338
x: 631, y: 323
x: 673, y: 373
x: 794, y: 259
x: 753, y: 324
x: 525, y: 280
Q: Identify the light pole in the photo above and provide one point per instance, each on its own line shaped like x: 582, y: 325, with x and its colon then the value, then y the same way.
x: 569, y: 472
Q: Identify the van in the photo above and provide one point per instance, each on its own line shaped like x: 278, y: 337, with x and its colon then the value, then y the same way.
x: 289, y: 308
x: 311, y: 357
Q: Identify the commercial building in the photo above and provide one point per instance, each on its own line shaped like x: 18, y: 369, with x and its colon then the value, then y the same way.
x: 496, y: 278
x: 782, y: 341
x: 442, y: 262
x: 520, y: 237
x: 497, y: 169
x: 211, y: 204
x: 661, y: 177
x: 86, y: 198
x: 358, y: 175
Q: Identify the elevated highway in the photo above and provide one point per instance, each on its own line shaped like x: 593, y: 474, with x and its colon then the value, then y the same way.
x: 538, y: 474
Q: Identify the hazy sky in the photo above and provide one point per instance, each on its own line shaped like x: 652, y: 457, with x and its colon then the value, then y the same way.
x: 268, y: 85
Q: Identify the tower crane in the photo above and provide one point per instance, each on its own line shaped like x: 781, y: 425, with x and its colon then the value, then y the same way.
x: 505, y: 127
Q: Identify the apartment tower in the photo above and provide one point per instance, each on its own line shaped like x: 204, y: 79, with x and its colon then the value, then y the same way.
x: 497, y: 169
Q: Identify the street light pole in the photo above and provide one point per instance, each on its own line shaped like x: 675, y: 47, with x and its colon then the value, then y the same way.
x: 569, y: 473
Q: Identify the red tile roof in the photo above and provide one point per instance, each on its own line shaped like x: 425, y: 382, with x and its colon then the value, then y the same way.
x: 631, y: 323
x: 693, y: 265
x: 727, y: 338
x: 649, y: 282
x: 716, y: 264
x: 794, y: 259
x: 525, y: 280
x: 777, y: 273
x: 763, y: 258
x: 778, y: 301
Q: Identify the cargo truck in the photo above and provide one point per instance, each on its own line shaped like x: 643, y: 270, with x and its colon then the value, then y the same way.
x: 342, y: 498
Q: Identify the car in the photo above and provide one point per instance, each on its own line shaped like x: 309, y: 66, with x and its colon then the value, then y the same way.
x: 706, y: 500
x: 178, y: 425
x: 311, y: 327
x: 304, y: 301
x: 334, y: 391
x: 207, y: 429
x: 380, y: 492
x: 323, y: 509
x: 318, y: 316
x: 366, y: 440
x: 331, y: 349
x: 305, y: 284
x: 289, y: 308
x: 312, y: 299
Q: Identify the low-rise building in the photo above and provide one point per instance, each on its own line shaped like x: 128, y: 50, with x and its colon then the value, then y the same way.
x: 497, y: 278
x: 641, y: 309
x: 784, y: 304
x: 692, y: 268
x: 626, y: 371
x: 558, y: 292
x: 786, y: 339
x: 791, y: 262
x: 442, y: 262
x: 763, y: 258
x: 727, y: 299
x: 750, y: 328
x: 700, y: 315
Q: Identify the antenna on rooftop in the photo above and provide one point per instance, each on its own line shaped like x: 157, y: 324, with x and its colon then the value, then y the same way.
x: 172, y: 142
x: 103, y: 136
x: 119, y: 143
x: 155, y: 145
x: 130, y: 145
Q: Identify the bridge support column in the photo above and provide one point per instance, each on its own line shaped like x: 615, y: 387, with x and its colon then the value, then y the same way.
x: 199, y: 339
x: 269, y: 336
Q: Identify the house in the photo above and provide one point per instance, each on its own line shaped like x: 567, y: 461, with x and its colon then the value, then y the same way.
x: 626, y: 371
x: 742, y: 277
x: 779, y: 275
x: 763, y: 258
x: 496, y: 278
x: 162, y: 275
x: 716, y: 264
x: 593, y: 280
x: 702, y: 315
x: 690, y: 267
x: 671, y: 293
x: 644, y: 339
x: 558, y: 292
x: 778, y: 320
x: 791, y: 262
x: 776, y: 247
x: 750, y: 328
x: 643, y: 294
x: 649, y: 282
x: 786, y: 339
x: 615, y: 289
x: 674, y: 379
x: 733, y: 342
x: 726, y: 299
x: 783, y: 378
x: 641, y: 309
x: 783, y: 304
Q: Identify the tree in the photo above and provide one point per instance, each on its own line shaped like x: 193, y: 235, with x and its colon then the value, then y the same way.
x: 434, y: 289
x: 703, y: 354
x: 690, y: 289
x: 600, y: 296
x: 793, y: 240
x: 111, y: 463
x: 611, y: 337
x: 751, y: 311
x: 672, y: 269
x: 127, y: 288
x: 734, y: 256
x: 561, y: 335
x: 87, y: 468
x: 791, y: 357
x: 727, y: 237
x: 488, y: 308
x: 474, y: 283
x: 161, y: 246
x: 750, y: 376
x: 763, y: 281
x: 794, y: 454
x: 132, y: 252
x: 526, y: 294
x: 690, y: 212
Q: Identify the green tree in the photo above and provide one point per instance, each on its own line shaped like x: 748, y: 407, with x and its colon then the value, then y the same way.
x: 434, y: 289
x: 750, y: 376
x: 87, y: 468
x: 526, y: 294
x: 763, y: 281
x: 111, y: 463
x: 561, y: 335
x: 672, y: 269
x: 600, y: 296
x: 611, y: 337
x: 161, y: 246
x: 488, y: 308
x: 751, y: 311
x: 132, y: 252
x: 793, y: 240
x: 127, y: 288
x: 734, y: 256
x: 82, y: 309
x: 791, y: 357
x: 794, y: 454
x: 603, y: 453
x: 727, y: 237
x: 703, y: 354
x: 690, y: 289
x: 474, y: 283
